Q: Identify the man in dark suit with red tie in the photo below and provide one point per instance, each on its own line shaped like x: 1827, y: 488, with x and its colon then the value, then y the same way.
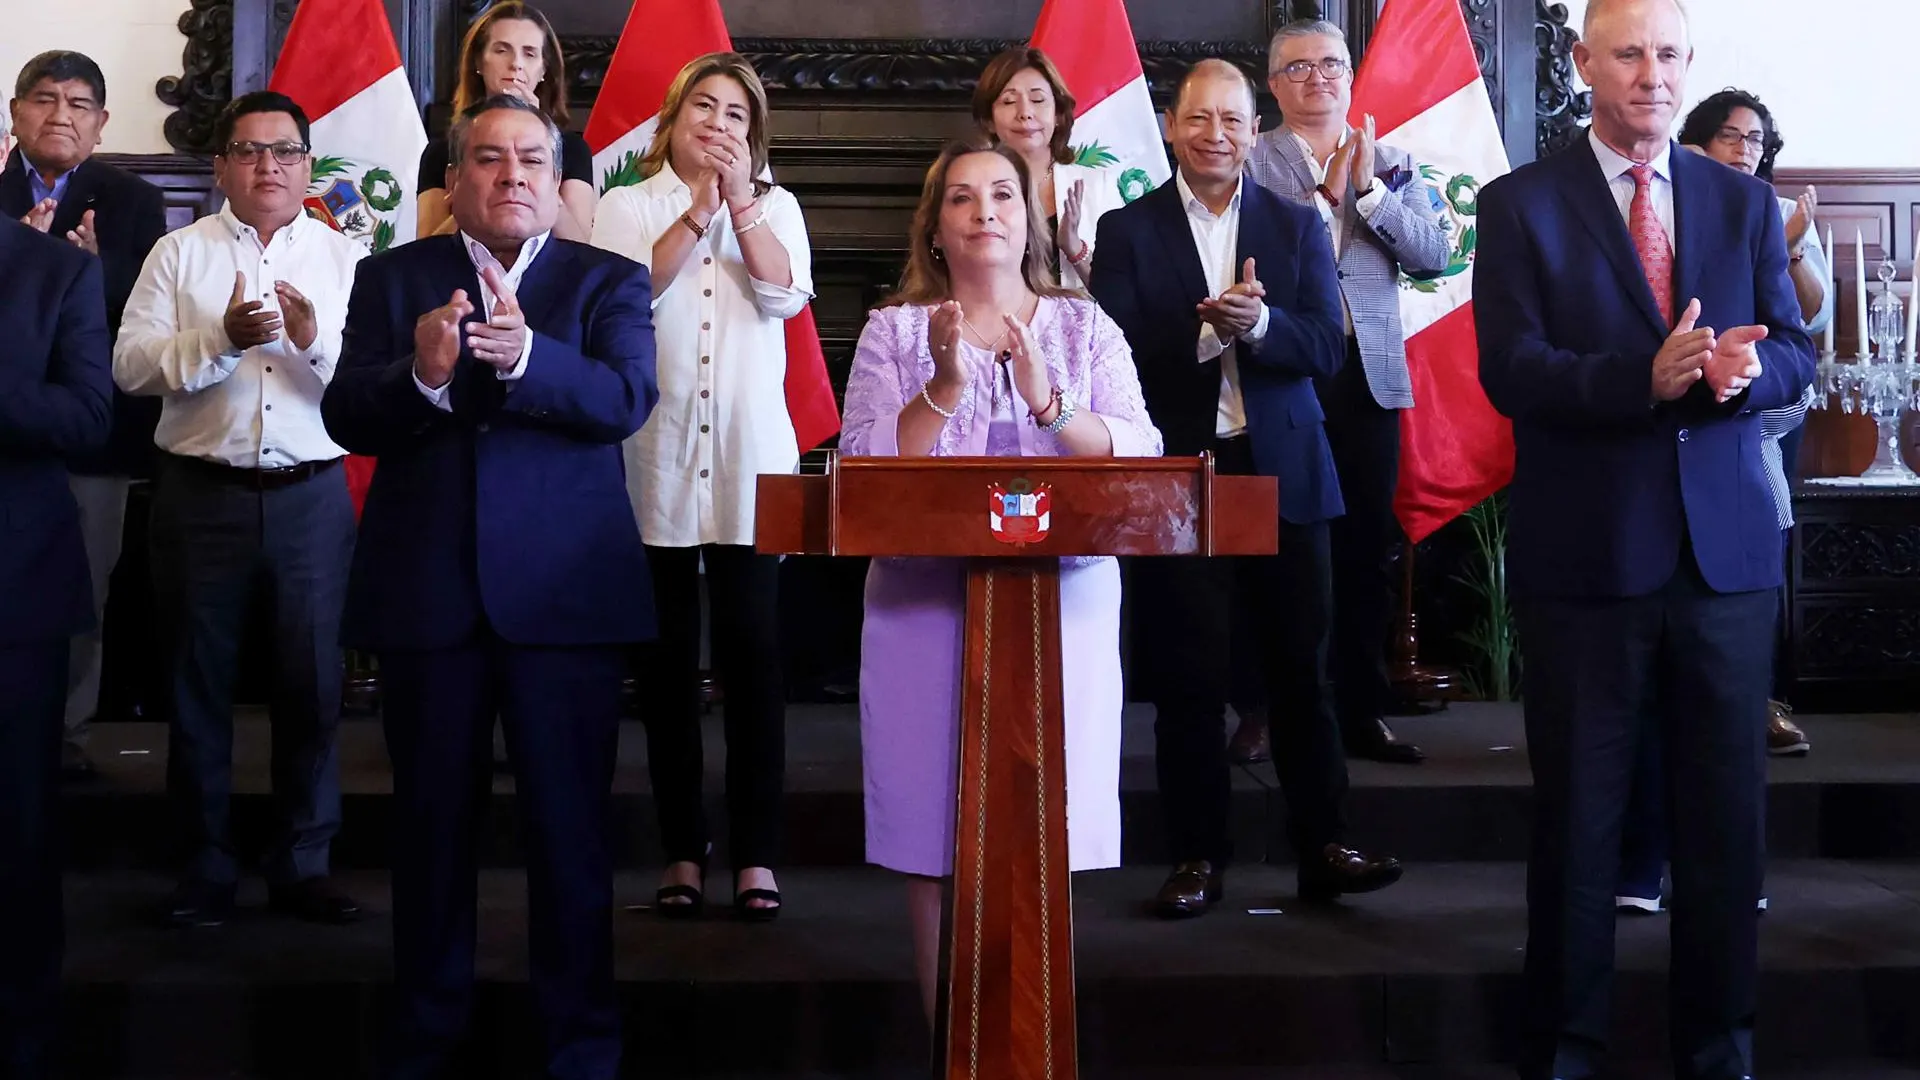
x: 1635, y: 315
x: 56, y: 394
x: 499, y: 572
x: 53, y: 182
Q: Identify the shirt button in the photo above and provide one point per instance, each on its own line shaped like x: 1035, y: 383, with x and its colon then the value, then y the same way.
x: 1683, y: 434
x: 706, y: 292
x: 706, y: 326
x: 315, y: 363
x: 703, y: 474
x: 706, y: 359
x: 708, y: 261
x: 269, y: 371
x: 704, y: 429
x: 703, y: 393
x: 269, y: 408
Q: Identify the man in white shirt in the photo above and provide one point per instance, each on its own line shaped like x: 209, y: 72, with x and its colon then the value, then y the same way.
x: 235, y: 326
x: 1227, y: 296
x: 1382, y: 220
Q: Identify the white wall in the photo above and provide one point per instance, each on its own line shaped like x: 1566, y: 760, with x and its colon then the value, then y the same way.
x: 1838, y: 75
x: 135, y: 42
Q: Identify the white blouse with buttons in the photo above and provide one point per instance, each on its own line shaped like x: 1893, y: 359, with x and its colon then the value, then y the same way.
x: 255, y: 408
x: 721, y: 353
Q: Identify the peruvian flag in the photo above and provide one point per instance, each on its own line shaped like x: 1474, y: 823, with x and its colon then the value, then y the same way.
x: 1422, y: 85
x: 1116, y: 129
x: 340, y: 64
x: 660, y: 37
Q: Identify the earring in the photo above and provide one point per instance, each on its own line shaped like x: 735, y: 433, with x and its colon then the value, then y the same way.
x: 938, y: 255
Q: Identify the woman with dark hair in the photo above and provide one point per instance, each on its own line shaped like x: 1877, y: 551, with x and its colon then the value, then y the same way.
x: 1735, y: 129
x: 512, y: 49
x: 979, y: 353
x: 730, y: 264
x: 1022, y: 103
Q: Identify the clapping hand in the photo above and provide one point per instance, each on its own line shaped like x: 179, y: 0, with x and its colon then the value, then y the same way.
x: 1735, y: 362
x: 1802, y: 220
x: 1031, y: 380
x: 247, y: 322
x: 732, y: 163
x: 500, y: 340
x: 943, y: 340
x: 297, y: 310
x: 1683, y: 359
x: 1068, y: 238
x: 1362, y: 141
x: 436, y: 341
x: 1236, y: 312
x: 41, y: 215
x: 83, y: 237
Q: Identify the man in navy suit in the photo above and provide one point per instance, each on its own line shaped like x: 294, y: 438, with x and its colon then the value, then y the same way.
x: 56, y: 401
x: 499, y: 572
x: 53, y: 182
x: 1227, y: 296
x: 1635, y: 316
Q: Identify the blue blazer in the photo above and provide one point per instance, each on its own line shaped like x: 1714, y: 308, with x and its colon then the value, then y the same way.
x: 1147, y: 275
x: 129, y: 217
x: 1608, y: 488
x: 56, y: 401
x: 511, y: 511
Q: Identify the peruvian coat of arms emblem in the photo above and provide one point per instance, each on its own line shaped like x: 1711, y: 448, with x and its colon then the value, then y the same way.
x: 356, y: 200
x: 1020, y: 512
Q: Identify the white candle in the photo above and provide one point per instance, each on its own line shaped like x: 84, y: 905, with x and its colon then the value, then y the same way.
x: 1827, y: 334
x: 1913, y: 299
x: 1860, y: 293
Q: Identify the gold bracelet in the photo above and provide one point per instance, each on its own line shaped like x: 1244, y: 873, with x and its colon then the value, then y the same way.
x: 699, y: 231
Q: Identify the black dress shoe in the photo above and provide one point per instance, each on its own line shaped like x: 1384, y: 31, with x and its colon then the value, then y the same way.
x: 314, y: 900
x: 1375, y: 741
x: 1190, y: 890
x: 75, y: 766
x: 1339, y: 871
x: 199, y: 903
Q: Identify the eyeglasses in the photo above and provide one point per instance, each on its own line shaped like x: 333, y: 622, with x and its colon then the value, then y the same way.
x: 247, y: 153
x: 1330, y: 69
x: 1728, y: 136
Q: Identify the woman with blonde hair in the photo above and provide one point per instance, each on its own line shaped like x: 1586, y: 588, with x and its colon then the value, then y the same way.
x: 730, y: 264
x: 512, y: 49
x: 980, y: 353
x: 1022, y: 102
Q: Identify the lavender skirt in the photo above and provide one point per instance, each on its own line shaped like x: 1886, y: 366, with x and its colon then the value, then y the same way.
x: 910, y: 711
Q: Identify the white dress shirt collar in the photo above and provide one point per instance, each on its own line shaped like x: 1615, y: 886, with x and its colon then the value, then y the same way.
x: 289, y: 235
x: 1614, y: 165
x: 1314, y: 165
x: 482, y: 257
x: 1193, y: 204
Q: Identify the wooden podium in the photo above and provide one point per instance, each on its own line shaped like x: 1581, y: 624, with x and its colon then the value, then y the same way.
x: 1009, y: 988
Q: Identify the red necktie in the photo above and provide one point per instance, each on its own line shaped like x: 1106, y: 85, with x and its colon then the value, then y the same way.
x: 1650, y: 241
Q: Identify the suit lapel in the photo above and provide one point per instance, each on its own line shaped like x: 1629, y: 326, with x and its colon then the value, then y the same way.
x: 77, y: 200
x: 16, y: 197
x: 1176, y: 235
x: 540, y: 285
x: 1687, y: 243
x: 1586, y: 192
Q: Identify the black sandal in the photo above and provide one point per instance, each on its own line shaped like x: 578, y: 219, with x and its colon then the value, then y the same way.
x: 743, y: 899
x: 694, y: 897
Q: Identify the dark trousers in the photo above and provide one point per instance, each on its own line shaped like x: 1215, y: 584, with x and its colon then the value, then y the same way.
x: 215, y: 542
x: 1187, y: 606
x: 1697, y: 661
x: 561, y: 711
x: 33, y: 688
x: 1365, y: 439
x: 743, y: 595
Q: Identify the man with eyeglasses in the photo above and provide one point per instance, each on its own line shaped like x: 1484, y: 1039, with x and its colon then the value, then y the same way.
x: 235, y: 325
x: 1382, y: 220
x: 53, y: 182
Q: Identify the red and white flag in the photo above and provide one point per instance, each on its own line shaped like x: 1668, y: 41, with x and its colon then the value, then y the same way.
x: 1420, y: 81
x: 341, y: 65
x: 660, y: 37
x: 1116, y: 129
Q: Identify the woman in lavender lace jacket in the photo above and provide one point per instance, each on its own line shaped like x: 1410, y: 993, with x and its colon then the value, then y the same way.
x: 979, y: 354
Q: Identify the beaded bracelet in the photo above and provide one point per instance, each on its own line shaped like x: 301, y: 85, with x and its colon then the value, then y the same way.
x: 934, y: 405
x: 1060, y: 422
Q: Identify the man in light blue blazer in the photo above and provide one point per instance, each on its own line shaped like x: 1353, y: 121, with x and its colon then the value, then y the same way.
x: 1382, y: 221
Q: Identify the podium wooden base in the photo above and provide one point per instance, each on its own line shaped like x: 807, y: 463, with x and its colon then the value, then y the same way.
x: 1010, y: 1000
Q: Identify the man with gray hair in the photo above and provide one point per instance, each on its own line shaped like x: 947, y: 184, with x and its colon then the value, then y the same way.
x: 495, y: 371
x: 1382, y: 221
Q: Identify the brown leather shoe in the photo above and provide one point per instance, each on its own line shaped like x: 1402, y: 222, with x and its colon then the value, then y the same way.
x: 1192, y: 889
x: 1375, y: 741
x: 1249, y: 745
x: 1784, y: 737
x: 1339, y: 871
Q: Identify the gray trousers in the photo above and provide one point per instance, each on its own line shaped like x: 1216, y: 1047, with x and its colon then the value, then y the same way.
x: 103, y: 521
x: 215, y: 542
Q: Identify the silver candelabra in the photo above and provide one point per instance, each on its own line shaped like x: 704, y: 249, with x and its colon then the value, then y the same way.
x: 1882, y: 385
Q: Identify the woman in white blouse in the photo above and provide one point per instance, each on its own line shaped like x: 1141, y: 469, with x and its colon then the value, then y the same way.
x: 1022, y: 101
x: 730, y: 263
